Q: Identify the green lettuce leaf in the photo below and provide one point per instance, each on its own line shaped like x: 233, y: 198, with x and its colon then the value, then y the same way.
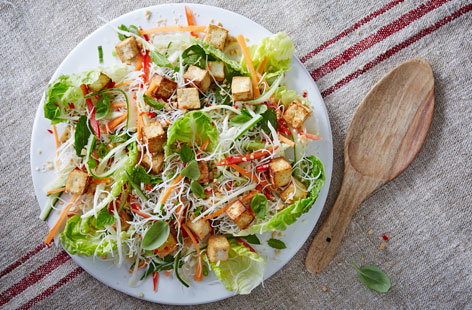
x: 80, y: 236
x: 242, y: 272
x: 290, y: 214
x: 194, y: 127
x: 287, y: 96
x: 216, y: 53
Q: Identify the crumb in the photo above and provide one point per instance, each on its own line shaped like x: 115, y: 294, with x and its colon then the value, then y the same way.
x: 274, y: 234
x: 176, y: 20
x: 340, y: 263
x: 305, y: 19
x: 219, y: 24
x: 37, y: 169
x: 370, y: 232
x: 205, y: 100
x: 277, y: 251
x: 140, y: 295
x: 324, y: 289
x: 362, y: 258
x: 382, y: 245
x: 147, y: 14
x: 212, y: 21
x: 358, y: 32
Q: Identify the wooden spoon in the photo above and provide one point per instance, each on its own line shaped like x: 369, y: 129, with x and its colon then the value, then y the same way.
x: 386, y: 132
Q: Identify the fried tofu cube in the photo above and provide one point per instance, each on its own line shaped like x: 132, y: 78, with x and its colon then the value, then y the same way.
x: 295, y: 191
x: 161, y: 87
x: 235, y: 210
x: 217, y: 70
x: 198, y: 77
x: 154, y: 136
x: 188, y: 98
x: 216, y: 36
x: 205, y: 173
x: 154, y: 162
x: 296, y: 114
x: 168, y: 247
x: 127, y: 50
x: 77, y: 182
x: 201, y: 228
x: 244, y: 220
x: 218, y: 248
x: 241, y: 88
x: 280, y: 171
x: 100, y: 83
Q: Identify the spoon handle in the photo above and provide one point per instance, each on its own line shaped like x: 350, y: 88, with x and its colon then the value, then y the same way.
x: 354, y: 189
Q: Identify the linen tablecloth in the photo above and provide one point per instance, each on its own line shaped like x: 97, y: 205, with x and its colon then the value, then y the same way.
x: 347, y: 46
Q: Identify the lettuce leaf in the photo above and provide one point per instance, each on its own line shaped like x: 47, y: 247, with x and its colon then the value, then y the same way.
x: 80, y: 236
x: 194, y: 127
x: 289, y: 215
x: 242, y: 272
x: 216, y: 53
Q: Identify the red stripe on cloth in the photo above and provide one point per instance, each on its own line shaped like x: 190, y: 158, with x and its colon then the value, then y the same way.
x: 373, y: 39
x: 396, y: 49
x: 349, y: 30
x: 23, y: 259
x: 33, y: 277
x: 50, y: 290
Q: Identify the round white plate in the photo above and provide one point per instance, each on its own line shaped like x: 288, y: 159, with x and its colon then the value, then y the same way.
x: 85, y: 57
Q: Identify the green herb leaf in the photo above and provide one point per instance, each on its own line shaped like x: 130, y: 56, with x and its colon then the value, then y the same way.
x: 158, y: 265
x: 118, y: 139
x: 197, y: 189
x: 269, y: 116
x: 223, y: 96
x: 194, y: 55
x: 191, y: 171
x: 102, y: 106
x: 153, y: 102
x: 92, y: 163
x: 373, y: 278
x: 104, y: 218
x: 156, y: 235
x: 159, y: 59
x: 100, y: 54
x: 139, y: 175
x: 82, y: 133
x: 198, y: 211
x: 252, y: 239
x: 242, y: 118
x: 259, y: 205
x: 130, y: 28
x: 102, y: 150
x: 186, y: 153
x: 276, y: 244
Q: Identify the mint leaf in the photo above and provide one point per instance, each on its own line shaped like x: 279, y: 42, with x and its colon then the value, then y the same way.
x: 82, y: 133
x: 191, y: 171
x: 186, y: 153
x: 276, y: 244
x: 373, y: 278
x: 259, y: 205
x: 197, y: 189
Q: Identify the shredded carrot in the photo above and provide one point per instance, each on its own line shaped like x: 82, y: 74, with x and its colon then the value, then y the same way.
x: 167, y: 273
x: 105, y: 180
x: 249, y: 196
x: 286, y: 140
x: 116, y: 121
x: 117, y: 105
x: 56, y: 190
x: 190, y: 20
x: 174, y: 29
x: 311, y: 136
x: 250, y: 66
x: 199, y: 267
x: 249, y: 175
x: 216, y: 213
x: 62, y: 217
x: 139, y: 63
x: 56, y: 137
x: 205, y: 144
x: 140, y: 127
x: 140, y: 213
x: 168, y: 190
x: 262, y: 65
x: 122, y: 84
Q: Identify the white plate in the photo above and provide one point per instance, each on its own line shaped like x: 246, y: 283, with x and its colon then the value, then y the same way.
x: 84, y: 57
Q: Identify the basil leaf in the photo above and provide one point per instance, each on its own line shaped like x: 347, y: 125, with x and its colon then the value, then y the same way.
x: 259, y: 205
x: 373, y: 278
x: 82, y: 133
x: 223, y: 97
x: 130, y: 28
x: 269, y: 116
x: 242, y: 118
x: 139, y: 175
x: 159, y: 59
x: 102, y: 150
x: 118, y: 139
x: 156, y: 235
x: 186, y: 153
x: 191, y: 171
x: 102, y: 106
x: 276, y: 244
x: 197, y: 189
x: 194, y: 55
x: 153, y: 102
x: 104, y: 218
x: 252, y: 239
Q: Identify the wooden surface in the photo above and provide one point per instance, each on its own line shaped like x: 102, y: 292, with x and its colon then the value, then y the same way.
x: 386, y: 132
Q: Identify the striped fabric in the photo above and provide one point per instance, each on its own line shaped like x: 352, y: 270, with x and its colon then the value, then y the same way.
x: 347, y: 46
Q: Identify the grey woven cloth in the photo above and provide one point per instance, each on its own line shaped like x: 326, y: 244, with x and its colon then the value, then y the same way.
x: 347, y: 45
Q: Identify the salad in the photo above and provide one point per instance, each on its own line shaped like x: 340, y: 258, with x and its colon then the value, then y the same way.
x: 174, y: 161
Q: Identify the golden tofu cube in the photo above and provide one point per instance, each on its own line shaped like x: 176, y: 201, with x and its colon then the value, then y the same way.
x: 235, y: 210
x: 77, y: 182
x: 218, y: 248
x: 280, y: 171
x: 188, y: 98
x: 161, y: 87
x: 217, y: 70
x: 127, y: 50
x: 168, y: 247
x: 216, y: 36
x: 244, y: 220
x: 241, y: 88
x: 100, y: 83
x: 201, y: 228
x: 296, y: 114
x: 198, y: 77
x: 295, y: 191
x: 154, y: 136
x: 205, y: 173
x: 154, y: 162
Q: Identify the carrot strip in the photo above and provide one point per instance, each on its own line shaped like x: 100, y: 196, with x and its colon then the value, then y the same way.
x: 262, y: 65
x: 190, y: 20
x: 168, y: 191
x: 117, y: 105
x: 62, y: 217
x: 140, y: 127
x: 122, y: 84
x: 310, y: 136
x: 249, y: 175
x: 105, y: 180
x: 199, y: 267
x: 246, y: 157
x: 116, y: 121
x: 205, y: 144
x: 174, y: 29
x: 56, y: 190
x: 248, y: 196
x: 249, y: 65
x: 56, y: 137
x: 286, y: 140
x: 216, y: 213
